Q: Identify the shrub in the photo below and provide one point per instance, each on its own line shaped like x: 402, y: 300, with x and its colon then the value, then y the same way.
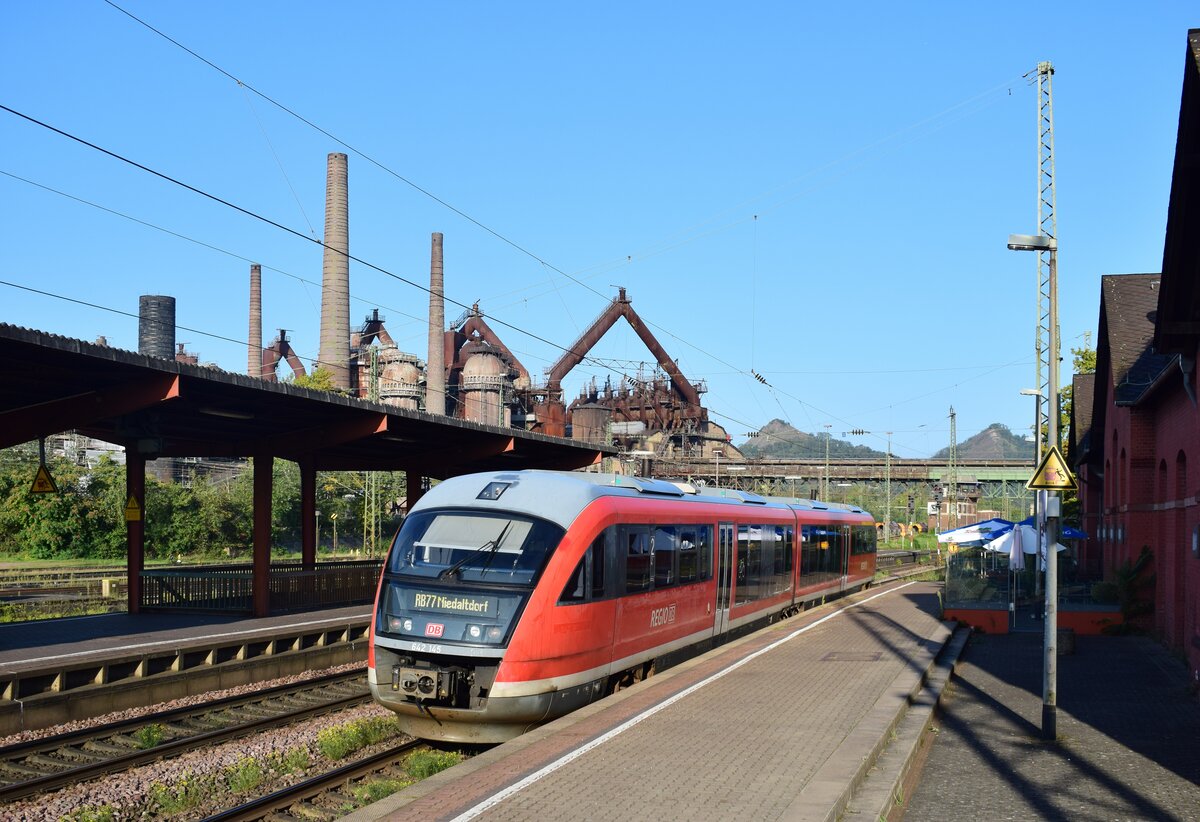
x: 1104, y: 592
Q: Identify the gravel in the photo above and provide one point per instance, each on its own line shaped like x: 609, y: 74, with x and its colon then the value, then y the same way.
x: 126, y: 793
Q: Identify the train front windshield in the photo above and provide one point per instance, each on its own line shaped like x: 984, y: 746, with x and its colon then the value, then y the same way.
x: 462, y: 577
x: 462, y: 547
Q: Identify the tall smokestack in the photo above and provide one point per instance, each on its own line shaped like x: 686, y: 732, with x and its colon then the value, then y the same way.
x: 254, y: 346
x: 435, y: 375
x: 335, y: 276
x: 156, y: 326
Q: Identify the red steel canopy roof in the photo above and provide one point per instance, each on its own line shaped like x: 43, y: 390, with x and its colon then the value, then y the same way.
x: 162, y: 408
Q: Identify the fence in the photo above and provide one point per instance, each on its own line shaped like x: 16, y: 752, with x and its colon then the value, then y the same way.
x: 229, y: 588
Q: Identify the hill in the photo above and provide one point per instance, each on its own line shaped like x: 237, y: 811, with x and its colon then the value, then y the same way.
x: 994, y: 442
x: 778, y: 440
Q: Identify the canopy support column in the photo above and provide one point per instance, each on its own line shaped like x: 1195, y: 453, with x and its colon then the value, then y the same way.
x: 261, y: 584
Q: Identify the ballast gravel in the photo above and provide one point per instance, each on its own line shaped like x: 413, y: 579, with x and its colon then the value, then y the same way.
x: 126, y: 793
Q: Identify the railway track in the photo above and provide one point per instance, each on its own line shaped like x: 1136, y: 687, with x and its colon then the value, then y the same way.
x: 45, y: 764
x: 325, y: 796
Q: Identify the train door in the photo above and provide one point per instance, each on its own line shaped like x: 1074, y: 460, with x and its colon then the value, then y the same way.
x: 725, y: 540
x: 845, y: 543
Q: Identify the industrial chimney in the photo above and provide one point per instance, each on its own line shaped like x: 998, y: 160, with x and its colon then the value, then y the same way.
x: 335, y: 276
x: 156, y: 326
x: 254, y: 345
x: 435, y: 370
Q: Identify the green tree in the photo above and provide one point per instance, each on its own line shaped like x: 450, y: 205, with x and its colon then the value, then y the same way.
x: 321, y: 379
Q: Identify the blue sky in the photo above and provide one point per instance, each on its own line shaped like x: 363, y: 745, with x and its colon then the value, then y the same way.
x: 820, y: 193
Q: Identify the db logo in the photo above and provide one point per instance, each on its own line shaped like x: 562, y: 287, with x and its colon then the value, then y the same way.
x: 434, y: 629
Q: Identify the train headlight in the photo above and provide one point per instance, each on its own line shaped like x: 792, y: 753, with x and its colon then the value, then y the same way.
x: 495, y: 633
x: 475, y: 631
x: 397, y: 624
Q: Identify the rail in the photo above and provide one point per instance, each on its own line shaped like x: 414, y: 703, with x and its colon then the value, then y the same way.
x: 229, y: 588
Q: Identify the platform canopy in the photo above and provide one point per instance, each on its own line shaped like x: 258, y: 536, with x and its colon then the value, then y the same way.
x: 162, y: 408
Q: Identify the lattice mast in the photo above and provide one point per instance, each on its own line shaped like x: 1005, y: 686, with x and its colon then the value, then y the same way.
x: 1047, y: 226
x: 371, y: 514
x: 952, y: 495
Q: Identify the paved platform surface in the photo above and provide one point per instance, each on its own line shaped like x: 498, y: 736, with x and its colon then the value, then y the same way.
x: 775, y: 726
x: 1128, y: 727
x: 29, y: 646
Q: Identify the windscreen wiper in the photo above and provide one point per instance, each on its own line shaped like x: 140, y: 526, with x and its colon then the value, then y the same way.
x: 492, y: 545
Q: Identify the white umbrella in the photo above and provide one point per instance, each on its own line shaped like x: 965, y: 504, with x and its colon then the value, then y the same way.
x: 1022, y: 539
x: 1013, y: 543
x: 974, y: 534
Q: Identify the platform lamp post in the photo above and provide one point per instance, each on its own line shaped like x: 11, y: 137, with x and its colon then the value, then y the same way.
x: 792, y: 479
x: 733, y: 480
x: 825, y: 484
x: 717, y: 475
x: 1037, y: 456
x: 1039, y: 243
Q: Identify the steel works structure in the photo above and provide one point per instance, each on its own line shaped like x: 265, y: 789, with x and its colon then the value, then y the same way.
x: 156, y: 407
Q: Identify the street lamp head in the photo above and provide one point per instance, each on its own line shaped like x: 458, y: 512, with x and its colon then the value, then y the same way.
x: 1030, y: 392
x: 1031, y: 242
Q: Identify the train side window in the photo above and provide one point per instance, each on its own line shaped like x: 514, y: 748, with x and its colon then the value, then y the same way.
x: 665, y: 550
x: 576, y: 587
x: 597, y: 556
x: 637, y: 548
x: 749, y: 564
x: 586, y: 582
x: 689, y: 554
x: 863, y: 538
x: 704, y: 551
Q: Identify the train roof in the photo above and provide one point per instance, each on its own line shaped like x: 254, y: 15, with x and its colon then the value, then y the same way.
x: 560, y: 496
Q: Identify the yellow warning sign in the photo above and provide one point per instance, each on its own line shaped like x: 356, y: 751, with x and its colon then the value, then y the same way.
x: 1052, y: 474
x: 43, y: 483
x: 133, y: 511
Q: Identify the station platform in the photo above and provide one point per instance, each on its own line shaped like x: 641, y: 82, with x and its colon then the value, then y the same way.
x: 783, y: 724
x: 56, y: 670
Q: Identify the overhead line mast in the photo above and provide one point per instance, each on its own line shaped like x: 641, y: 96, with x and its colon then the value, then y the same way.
x: 1047, y: 226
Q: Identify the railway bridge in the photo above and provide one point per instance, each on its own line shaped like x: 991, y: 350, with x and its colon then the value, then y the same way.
x: 995, y: 485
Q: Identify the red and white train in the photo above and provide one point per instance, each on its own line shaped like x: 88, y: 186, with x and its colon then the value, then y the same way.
x: 511, y: 598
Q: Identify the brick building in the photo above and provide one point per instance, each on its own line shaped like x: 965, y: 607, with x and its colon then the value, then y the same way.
x: 1137, y: 446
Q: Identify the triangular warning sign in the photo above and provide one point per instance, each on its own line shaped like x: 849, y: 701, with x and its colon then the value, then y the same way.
x: 133, y: 511
x: 1052, y: 473
x: 43, y: 483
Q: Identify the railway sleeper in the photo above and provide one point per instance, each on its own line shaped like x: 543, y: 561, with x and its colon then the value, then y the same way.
x: 22, y: 772
x: 47, y: 764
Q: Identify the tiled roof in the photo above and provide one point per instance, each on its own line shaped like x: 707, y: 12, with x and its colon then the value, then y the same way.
x: 1083, y: 389
x: 1129, y: 305
x: 1179, y: 308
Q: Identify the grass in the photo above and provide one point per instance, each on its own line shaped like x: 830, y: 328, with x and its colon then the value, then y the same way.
x: 182, y: 796
x: 422, y: 764
x: 150, y: 736
x: 341, y: 741
x: 101, y: 813
x: 244, y: 775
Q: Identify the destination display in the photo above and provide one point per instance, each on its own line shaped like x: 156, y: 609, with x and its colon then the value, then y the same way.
x: 454, y: 603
